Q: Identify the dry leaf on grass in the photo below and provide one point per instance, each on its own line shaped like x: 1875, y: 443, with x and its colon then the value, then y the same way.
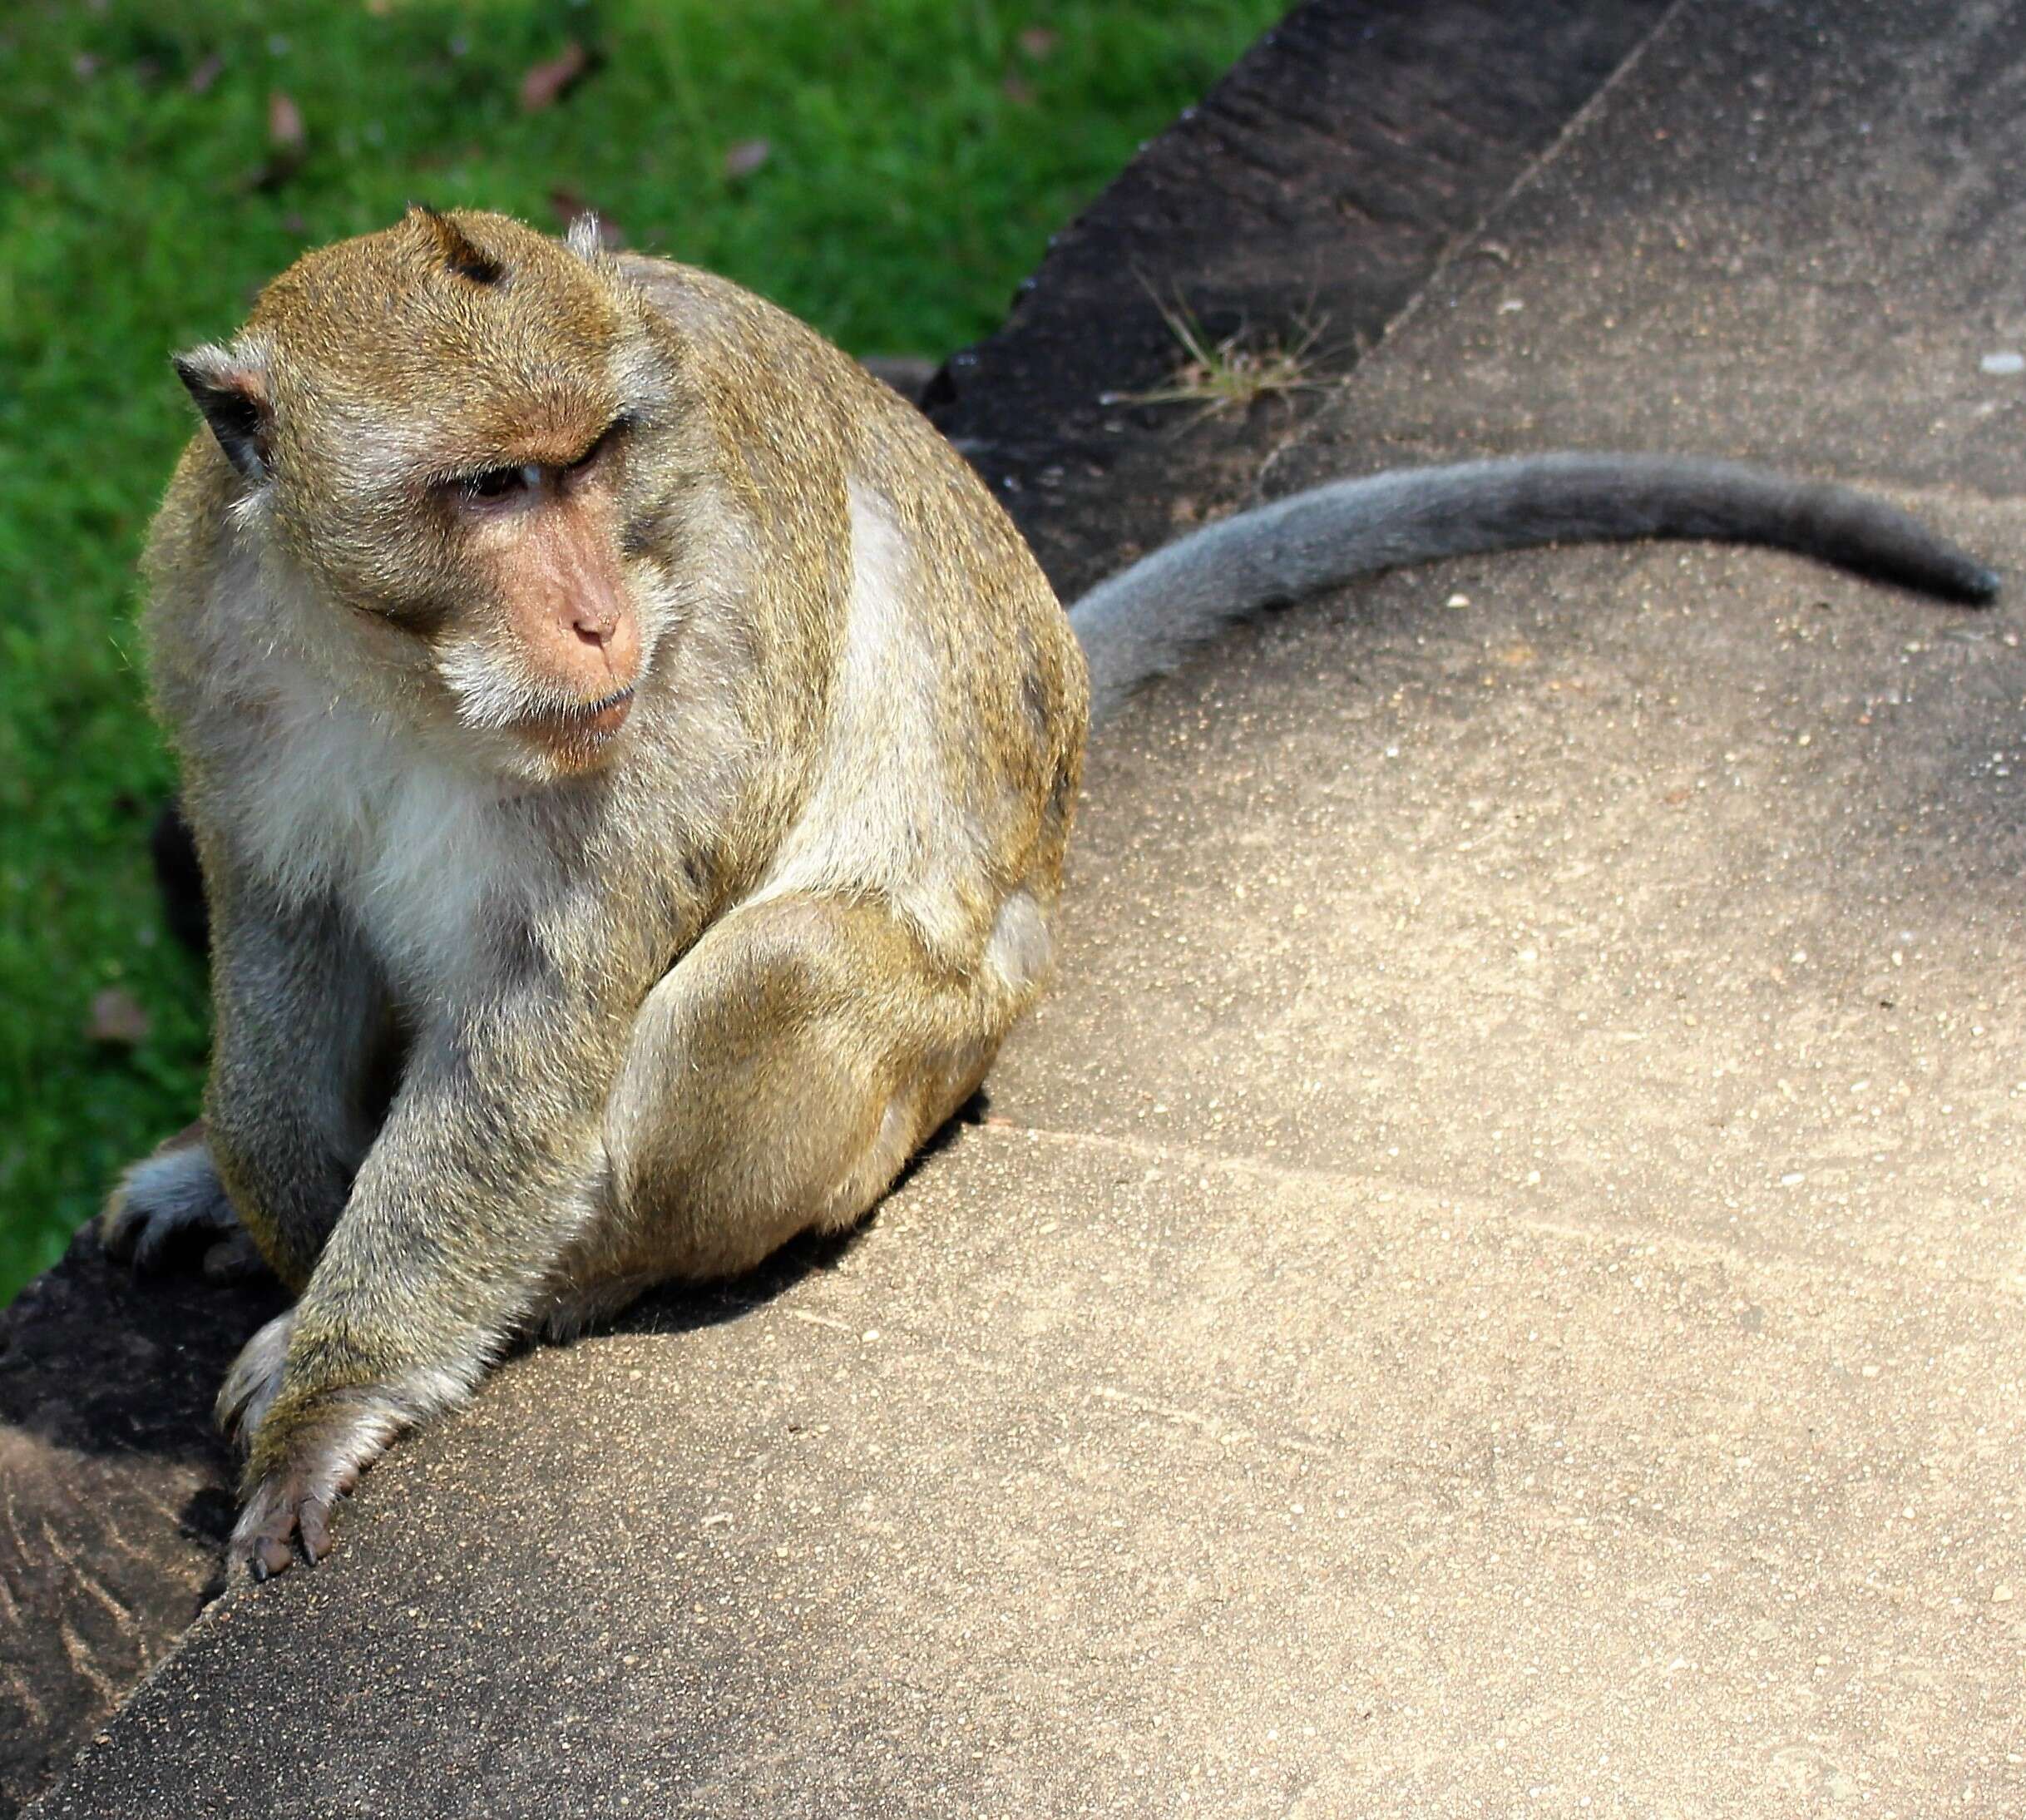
x: 116, y: 1020
x: 747, y: 157
x: 546, y: 83
x: 284, y: 123
x: 288, y: 141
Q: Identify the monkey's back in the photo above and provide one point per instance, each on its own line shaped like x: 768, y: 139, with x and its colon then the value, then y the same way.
x: 959, y: 700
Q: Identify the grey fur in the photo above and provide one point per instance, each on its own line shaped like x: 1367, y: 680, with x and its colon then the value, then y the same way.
x: 1143, y: 620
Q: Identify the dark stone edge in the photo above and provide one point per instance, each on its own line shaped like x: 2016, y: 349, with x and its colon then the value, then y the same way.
x: 1352, y: 150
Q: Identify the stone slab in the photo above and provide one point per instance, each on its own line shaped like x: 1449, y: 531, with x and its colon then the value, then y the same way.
x: 1104, y: 1478
x: 1793, y: 234
x: 1494, y: 1286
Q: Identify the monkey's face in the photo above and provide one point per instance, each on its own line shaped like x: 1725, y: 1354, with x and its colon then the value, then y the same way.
x: 436, y: 427
x: 542, y: 640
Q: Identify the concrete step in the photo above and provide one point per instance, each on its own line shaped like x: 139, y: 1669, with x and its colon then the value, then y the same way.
x: 1494, y: 1285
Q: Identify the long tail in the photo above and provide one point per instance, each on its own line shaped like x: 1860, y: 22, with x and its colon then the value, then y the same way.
x: 1142, y: 620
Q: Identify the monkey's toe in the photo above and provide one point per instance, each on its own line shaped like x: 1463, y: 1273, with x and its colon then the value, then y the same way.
x: 288, y: 1513
x: 164, y: 1205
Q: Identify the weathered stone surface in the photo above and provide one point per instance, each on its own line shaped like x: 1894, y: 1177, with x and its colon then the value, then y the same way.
x: 1494, y: 1286
x: 113, y: 1499
x: 1108, y: 1478
x: 1802, y: 251
x: 1649, y: 878
x: 1352, y: 150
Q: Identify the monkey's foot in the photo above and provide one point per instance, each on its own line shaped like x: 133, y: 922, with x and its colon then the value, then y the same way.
x: 330, y: 1444
x: 168, y: 1200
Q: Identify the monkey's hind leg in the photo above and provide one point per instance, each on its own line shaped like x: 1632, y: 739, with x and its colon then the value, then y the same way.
x: 776, y: 1080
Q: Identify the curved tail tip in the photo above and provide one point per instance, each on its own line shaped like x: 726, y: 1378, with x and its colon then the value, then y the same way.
x: 1978, y: 585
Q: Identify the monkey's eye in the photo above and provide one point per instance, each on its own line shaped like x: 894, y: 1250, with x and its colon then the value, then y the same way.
x: 611, y: 434
x: 502, y: 483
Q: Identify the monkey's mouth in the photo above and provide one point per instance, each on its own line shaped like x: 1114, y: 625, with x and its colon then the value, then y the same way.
x: 585, y: 723
x: 607, y: 715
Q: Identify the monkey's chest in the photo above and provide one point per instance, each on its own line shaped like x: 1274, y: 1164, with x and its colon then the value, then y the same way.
x: 427, y: 890
x: 423, y: 859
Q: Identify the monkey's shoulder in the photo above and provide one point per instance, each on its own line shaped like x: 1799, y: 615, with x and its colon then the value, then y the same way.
x: 722, y: 325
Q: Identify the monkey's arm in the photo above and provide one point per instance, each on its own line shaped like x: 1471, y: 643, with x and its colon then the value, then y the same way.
x: 1143, y: 620
x: 287, y: 1113
x: 481, y: 1175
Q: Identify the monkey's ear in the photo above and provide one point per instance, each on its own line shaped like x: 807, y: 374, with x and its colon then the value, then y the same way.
x: 462, y: 254
x: 232, y: 393
x: 586, y: 237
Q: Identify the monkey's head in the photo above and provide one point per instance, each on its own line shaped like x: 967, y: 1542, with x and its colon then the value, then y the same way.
x: 432, y: 428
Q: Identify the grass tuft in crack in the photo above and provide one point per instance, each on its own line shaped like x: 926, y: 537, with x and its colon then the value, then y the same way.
x: 1234, y: 373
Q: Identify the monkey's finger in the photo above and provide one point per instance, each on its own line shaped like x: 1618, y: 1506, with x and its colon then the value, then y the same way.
x: 271, y: 1555
x: 230, y: 1413
x: 254, y: 1379
x: 156, y: 1247
x: 139, y: 1237
x: 236, y: 1259
x: 118, y: 1227
x: 313, y: 1527
x: 264, y: 1538
x: 132, y: 1234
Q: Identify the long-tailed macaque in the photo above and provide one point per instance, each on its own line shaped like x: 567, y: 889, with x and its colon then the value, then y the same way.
x: 631, y: 757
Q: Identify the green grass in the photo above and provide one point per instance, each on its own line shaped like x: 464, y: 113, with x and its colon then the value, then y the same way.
x: 920, y: 153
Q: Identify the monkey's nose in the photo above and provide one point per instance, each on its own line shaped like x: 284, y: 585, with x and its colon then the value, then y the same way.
x: 606, y: 643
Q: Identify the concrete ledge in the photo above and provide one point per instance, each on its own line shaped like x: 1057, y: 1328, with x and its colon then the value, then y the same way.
x: 1494, y: 1285
x: 114, y: 1488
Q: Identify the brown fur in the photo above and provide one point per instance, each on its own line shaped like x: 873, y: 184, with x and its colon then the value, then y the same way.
x: 516, y: 1014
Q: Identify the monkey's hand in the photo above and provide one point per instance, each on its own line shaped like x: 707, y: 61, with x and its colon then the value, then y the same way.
x: 172, y: 1200
x: 307, y: 1441
x: 313, y: 1418
x: 301, y: 1459
x: 290, y: 1495
x: 483, y: 1174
